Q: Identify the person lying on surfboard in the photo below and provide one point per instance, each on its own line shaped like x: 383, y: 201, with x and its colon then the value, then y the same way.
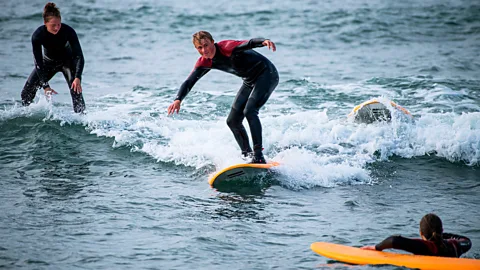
x: 260, y: 77
x: 433, y: 242
x: 61, y: 52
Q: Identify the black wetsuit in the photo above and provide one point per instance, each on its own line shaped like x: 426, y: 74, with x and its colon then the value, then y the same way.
x: 260, y: 77
x: 62, y: 52
x: 455, y: 245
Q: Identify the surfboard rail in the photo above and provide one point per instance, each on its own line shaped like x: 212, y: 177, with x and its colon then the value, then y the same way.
x: 374, y: 101
x: 359, y: 256
x: 268, y: 165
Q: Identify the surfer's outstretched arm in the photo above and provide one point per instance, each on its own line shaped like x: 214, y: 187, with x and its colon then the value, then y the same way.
x: 188, y: 84
x: 185, y: 88
x: 255, y: 43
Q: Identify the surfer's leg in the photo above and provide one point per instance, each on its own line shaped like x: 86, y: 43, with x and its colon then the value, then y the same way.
x: 33, y: 83
x: 30, y: 89
x: 262, y: 90
x: 235, y: 119
x: 77, y: 98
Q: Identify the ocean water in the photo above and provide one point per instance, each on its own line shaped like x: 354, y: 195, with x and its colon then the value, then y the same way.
x: 125, y: 186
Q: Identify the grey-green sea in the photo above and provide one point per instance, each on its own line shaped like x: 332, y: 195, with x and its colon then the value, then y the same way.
x: 125, y: 186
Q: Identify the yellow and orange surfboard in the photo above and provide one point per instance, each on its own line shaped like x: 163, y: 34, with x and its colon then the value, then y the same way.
x: 240, y: 171
x: 355, y: 255
x: 375, y: 101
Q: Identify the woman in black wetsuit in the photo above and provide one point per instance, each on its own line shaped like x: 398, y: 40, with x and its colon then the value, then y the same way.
x: 61, y: 52
x: 260, y: 77
x: 433, y: 243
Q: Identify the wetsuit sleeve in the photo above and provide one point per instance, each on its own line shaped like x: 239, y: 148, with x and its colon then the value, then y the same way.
x: 462, y: 243
x: 415, y: 246
x: 38, y: 58
x: 196, y: 74
x: 77, y: 54
x: 252, y: 43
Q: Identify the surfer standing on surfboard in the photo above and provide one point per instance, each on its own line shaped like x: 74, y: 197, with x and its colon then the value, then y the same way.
x: 62, y: 52
x: 260, y: 77
x: 434, y: 241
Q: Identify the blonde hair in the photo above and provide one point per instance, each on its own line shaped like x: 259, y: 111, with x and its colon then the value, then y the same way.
x: 197, y: 37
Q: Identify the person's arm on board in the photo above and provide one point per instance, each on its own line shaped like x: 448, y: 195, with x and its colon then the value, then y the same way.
x: 415, y: 246
x: 462, y: 243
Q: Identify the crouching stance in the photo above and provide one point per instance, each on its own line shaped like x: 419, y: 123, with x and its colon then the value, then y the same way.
x: 61, y: 53
x: 260, y: 77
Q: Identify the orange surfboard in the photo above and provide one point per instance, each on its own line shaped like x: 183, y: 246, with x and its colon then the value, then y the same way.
x: 355, y: 255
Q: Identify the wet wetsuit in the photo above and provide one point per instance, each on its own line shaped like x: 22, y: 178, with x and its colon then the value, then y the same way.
x: 62, y: 52
x: 455, y: 245
x: 260, y: 77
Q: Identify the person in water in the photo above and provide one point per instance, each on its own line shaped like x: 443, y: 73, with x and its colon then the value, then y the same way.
x: 260, y: 77
x: 433, y: 242
x: 62, y: 52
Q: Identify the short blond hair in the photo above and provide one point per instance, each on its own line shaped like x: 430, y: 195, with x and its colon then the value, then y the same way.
x: 197, y: 37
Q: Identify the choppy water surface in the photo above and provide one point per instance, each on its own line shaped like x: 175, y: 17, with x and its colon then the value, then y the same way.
x: 125, y: 186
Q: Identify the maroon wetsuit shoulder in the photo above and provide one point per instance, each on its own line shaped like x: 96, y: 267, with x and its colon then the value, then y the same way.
x: 203, y: 62
x: 227, y: 46
x: 232, y: 56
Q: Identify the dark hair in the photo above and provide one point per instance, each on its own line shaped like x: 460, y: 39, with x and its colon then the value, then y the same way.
x: 431, y: 227
x: 50, y: 10
x: 197, y: 37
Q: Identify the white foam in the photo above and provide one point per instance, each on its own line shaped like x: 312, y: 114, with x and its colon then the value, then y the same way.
x: 302, y: 168
x: 454, y: 137
x: 314, y: 149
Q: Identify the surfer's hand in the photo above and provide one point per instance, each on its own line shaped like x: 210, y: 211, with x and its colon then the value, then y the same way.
x: 269, y: 44
x: 175, y: 106
x: 49, y: 91
x: 368, y: 248
x: 76, y: 86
